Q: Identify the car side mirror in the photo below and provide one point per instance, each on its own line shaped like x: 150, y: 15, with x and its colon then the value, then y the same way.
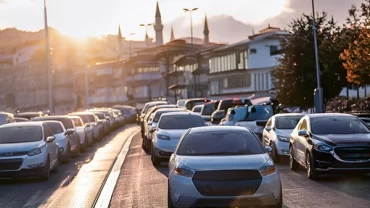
x: 69, y: 132
x: 268, y: 128
x: 268, y: 149
x: 302, y: 133
x: 153, y: 130
x: 50, y: 139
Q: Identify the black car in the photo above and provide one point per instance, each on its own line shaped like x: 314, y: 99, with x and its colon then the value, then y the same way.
x: 330, y: 142
x: 128, y: 112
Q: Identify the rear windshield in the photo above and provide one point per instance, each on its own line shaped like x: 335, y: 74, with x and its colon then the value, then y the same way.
x: 56, y: 128
x: 220, y: 143
x: 20, y: 134
x: 287, y: 122
x: 180, y: 122
x: 158, y: 115
x: 85, y: 118
x: 67, y: 122
x: 338, y: 125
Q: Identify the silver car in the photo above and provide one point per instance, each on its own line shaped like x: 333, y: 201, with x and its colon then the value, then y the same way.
x: 171, y: 126
x: 90, y: 126
x: 27, y: 149
x: 222, y: 166
x: 276, y: 133
x: 81, y: 130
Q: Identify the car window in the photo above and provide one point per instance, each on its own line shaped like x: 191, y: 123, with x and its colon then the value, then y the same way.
x: 56, y: 128
x: 20, y: 134
x: 258, y: 113
x: 77, y: 122
x: 287, y: 122
x: 180, y: 122
x: 48, y: 131
x: 338, y: 125
x: 220, y: 143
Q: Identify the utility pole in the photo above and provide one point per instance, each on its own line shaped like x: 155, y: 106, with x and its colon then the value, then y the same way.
x: 320, y: 90
x: 48, y: 60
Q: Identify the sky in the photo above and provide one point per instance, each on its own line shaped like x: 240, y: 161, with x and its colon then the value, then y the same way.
x: 81, y: 18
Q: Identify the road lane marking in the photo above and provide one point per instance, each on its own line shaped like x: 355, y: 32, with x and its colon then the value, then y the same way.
x: 107, y: 191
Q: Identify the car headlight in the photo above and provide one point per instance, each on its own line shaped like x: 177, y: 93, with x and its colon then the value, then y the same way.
x: 283, y: 138
x: 184, y: 171
x: 34, y: 152
x: 163, y: 137
x: 321, y: 146
x: 267, y: 169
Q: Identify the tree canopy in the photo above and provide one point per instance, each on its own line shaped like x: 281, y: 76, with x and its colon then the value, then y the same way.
x: 295, y: 77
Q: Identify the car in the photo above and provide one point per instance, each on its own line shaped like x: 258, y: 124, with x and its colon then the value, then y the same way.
x: 152, y: 122
x: 28, y: 149
x: 146, y: 107
x: 91, y: 128
x: 29, y: 115
x: 181, y: 102
x: 81, y: 130
x: 330, y: 143
x: 129, y: 112
x: 17, y: 119
x: 190, y: 103
x: 222, y: 166
x: 70, y: 131
x: 167, y: 134
x: 6, y: 118
x: 276, y: 133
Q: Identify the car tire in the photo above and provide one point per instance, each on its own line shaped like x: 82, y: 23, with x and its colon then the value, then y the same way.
x: 169, y: 199
x: 155, y: 160
x: 56, y: 166
x: 275, y: 155
x: 292, y: 162
x: 68, y: 155
x: 78, y: 149
x: 310, y: 168
x: 46, y: 172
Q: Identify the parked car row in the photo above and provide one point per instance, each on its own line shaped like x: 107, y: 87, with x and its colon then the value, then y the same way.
x: 36, y: 143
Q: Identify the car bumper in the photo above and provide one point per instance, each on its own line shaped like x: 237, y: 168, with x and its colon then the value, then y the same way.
x: 326, y: 162
x: 22, y: 166
x: 163, y: 151
x: 185, y: 194
x: 34, y: 172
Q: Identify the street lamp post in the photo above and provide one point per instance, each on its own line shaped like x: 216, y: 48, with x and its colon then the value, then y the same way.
x: 320, y: 91
x: 191, y: 21
x: 146, y: 32
x: 48, y: 60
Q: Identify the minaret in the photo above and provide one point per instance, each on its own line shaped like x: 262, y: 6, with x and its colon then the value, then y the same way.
x: 172, y: 35
x: 119, y: 41
x: 158, y: 27
x: 206, y: 32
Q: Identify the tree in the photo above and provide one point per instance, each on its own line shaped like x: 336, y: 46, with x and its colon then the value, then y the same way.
x: 356, y: 56
x: 295, y: 77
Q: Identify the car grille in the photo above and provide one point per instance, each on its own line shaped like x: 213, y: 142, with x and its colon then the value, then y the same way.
x: 10, y: 154
x: 227, y: 182
x: 353, y: 153
x: 10, y: 164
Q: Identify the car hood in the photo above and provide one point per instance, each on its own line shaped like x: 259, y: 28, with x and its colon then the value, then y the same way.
x: 341, y: 139
x: 283, y: 132
x: 173, y: 133
x: 19, y: 147
x: 234, y: 162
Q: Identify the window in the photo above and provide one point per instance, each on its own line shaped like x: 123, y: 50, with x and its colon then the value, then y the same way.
x: 287, y: 122
x: 180, y: 122
x: 241, y: 61
x: 338, y: 125
x: 55, y: 127
x: 20, y: 134
x: 215, y: 87
x: 274, y: 50
x: 252, y: 51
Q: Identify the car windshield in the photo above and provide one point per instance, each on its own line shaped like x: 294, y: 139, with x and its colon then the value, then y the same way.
x: 220, y: 143
x: 77, y: 122
x: 55, y: 127
x: 208, y: 109
x: 180, y: 122
x: 263, y: 112
x: 338, y: 125
x: 20, y: 134
x: 287, y: 122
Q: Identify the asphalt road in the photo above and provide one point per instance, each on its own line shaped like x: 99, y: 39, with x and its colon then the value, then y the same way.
x: 141, y: 185
x: 76, y: 184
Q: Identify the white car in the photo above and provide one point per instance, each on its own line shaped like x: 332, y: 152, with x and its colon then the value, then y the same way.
x: 276, y: 133
x: 166, y: 136
x: 81, y: 130
x: 222, y: 166
x: 27, y: 149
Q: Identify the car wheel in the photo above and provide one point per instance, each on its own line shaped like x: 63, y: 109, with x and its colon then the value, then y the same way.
x: 85, y: 145
x: 292, y: 162
x: 155, y: 160
x: 275, y: 155
x: 311, y: 171
x: 169, y: 199
x: 56, y: 166
x: 78, y: 149
x: 46, y: 173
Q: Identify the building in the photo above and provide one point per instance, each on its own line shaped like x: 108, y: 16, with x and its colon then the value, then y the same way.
x: 244, y: 68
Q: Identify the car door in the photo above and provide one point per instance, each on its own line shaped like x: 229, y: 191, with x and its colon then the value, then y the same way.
x: 302, y: 142
x: 268, y: 135
x: 52, y: 147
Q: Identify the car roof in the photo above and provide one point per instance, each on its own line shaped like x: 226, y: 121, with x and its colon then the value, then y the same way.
x: 324, y: 115
x: 170, y: 109
x: 51, y: 117
x: 218, y: 129
x: 289, y: 114
x: 181, y: 113
x: 34, y: 123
